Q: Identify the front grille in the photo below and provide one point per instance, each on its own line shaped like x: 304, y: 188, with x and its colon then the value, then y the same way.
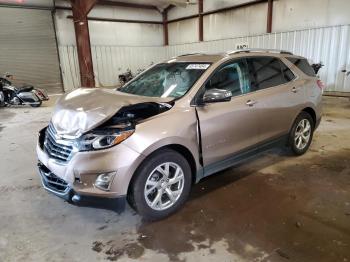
x: 58, y: 149
x: 51, y: 181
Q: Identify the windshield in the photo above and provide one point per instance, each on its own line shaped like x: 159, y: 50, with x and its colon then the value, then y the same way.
x: 166, y: 80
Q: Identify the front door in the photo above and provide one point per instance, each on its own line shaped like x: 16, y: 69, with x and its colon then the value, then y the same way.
x: 229, y: 127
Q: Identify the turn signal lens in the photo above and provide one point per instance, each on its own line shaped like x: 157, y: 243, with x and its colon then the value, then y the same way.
x: 104, y: 181
x: 124, y: 135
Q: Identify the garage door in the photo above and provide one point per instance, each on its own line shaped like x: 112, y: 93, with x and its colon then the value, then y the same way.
x: 28, y: 48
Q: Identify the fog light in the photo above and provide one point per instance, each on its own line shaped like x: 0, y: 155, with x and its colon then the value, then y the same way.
x: 104, y: 181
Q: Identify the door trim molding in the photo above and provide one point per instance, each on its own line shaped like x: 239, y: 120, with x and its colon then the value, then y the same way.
x: 241, y: 156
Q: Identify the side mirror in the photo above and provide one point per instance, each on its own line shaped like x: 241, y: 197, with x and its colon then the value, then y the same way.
x: 217, y: 95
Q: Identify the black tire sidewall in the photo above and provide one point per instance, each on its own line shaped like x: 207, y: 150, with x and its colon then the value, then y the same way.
x: 300, y: 117
x: 2, y: 102
x: 141, y: 176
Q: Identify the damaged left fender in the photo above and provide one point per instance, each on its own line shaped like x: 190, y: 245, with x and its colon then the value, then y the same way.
x: 177, y: 126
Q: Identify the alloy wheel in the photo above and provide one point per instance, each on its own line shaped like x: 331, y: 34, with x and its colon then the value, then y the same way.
x: 164, y: 186
x: 302, y: 134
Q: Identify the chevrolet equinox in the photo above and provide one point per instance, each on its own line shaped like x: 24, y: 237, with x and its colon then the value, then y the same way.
x: 179, y: 121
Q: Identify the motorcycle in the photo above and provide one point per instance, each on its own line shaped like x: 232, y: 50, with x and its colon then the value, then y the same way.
x: 125, y: 77
x: 24, y: 95
x: 317, y: 67
x: 128, y: 75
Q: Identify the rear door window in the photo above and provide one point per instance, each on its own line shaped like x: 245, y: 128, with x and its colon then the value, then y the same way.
x: 231, y: 77
x: 303, y: 65
x: 265, y: 72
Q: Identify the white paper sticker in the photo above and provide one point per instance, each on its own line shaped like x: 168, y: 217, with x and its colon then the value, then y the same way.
x: 198, y: 66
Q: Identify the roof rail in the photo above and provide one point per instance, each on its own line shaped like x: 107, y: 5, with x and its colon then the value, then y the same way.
x: 259, y: 50
x: 191, y: 54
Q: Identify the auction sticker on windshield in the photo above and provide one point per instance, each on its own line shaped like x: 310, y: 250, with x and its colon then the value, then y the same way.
x: 198, y: 66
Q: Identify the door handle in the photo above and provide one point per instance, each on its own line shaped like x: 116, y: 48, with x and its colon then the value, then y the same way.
x: 295, y: 90
x: 250, y: 102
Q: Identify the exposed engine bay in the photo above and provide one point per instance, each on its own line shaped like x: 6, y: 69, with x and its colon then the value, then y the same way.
x: 120, y: 126
x: 131, y: 115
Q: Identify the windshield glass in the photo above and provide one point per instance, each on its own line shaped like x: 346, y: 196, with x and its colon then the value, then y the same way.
x: 166, y: 80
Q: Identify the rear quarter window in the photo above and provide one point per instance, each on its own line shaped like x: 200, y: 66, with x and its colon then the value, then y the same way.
x: 288, y: 74
x: 303, y: 65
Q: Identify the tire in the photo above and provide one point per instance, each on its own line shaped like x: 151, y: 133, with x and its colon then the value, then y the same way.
x: 301, y: 134
x: 36, y: 105
x: 149, y: 178
x: 2, y: 99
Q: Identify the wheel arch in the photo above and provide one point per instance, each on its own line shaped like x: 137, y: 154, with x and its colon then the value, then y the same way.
x: 311, y: 112
x: 179, y: 148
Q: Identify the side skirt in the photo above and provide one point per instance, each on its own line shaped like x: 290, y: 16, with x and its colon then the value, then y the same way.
x: 243, y: 155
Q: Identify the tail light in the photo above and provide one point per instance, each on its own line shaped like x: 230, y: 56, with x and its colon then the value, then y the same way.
x: 321, y: 85
x: 40, y: 94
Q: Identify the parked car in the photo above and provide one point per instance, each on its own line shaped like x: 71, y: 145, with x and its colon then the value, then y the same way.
x: 179, y: 121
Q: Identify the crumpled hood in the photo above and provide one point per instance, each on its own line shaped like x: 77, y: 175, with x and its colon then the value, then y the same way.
x: 86, y: 108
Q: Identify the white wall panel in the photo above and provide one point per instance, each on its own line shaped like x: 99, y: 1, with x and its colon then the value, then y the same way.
x: 209, y: 5
x: 125, y: 13
x: 125, y: 34
x: 179, y: 12
x: 240, y: 22
x: 185, y: 31
x: 112, y: 33
x: 301, y: 14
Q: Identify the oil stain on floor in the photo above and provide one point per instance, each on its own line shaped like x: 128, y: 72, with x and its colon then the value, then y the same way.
x: 299, y: 212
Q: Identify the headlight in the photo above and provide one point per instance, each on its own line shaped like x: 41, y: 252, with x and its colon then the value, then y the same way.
x: 102, y: 139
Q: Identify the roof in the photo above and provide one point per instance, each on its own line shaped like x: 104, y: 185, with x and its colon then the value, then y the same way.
x: 215, y: 57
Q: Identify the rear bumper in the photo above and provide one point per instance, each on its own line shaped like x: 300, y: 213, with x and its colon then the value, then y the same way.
x: 61, y: 188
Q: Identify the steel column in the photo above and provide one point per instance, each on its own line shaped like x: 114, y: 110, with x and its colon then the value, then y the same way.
x: 165, y: 27
x: 200, y: 20
x: 269, y: 16
x: 80, y: 10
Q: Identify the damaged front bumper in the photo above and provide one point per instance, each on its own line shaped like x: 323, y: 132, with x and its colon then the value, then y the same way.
x: 74, y: 180
x: 61, y: 188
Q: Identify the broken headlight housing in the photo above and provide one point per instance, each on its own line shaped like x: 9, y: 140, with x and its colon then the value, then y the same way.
x: 102, y: 138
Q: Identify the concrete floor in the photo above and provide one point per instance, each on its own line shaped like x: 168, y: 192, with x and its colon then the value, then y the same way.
x: 273, y: 208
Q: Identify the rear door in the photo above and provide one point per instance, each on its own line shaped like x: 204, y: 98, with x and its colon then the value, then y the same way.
x: 229, y: 127
x: 280, y: 95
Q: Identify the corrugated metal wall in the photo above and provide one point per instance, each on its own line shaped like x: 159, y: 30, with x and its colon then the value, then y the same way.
x: 331, y: 45
x: 28, y: 48
x: 109, y: 62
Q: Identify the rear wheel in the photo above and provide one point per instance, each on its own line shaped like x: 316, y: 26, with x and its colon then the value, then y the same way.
x: 301, y: 134
x: 161, y: 185
x: 36, y: 105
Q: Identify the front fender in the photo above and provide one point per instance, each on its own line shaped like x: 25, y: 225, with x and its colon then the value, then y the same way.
x: 174, y: 127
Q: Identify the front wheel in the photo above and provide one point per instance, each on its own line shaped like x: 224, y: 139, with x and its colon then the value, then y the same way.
x: 2, y: 99
x: 161, y: 186
x: 301, y: 134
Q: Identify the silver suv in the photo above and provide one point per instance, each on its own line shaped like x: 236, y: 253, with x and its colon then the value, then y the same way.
x: 179, y: 121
